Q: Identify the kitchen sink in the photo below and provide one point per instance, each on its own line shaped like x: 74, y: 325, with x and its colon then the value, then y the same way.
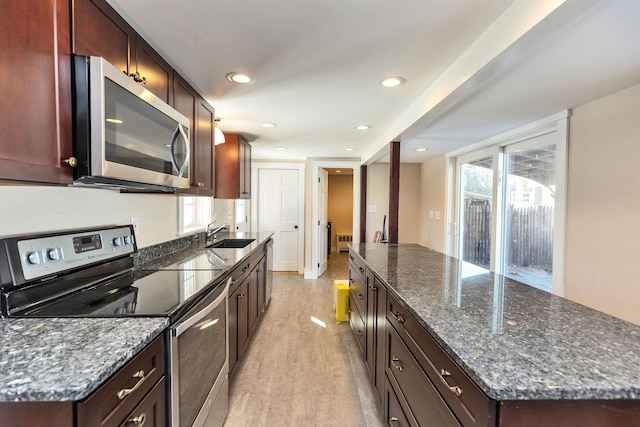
x: 231, y: 243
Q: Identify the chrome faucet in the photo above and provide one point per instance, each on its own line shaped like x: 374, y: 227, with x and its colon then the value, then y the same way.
x: 212, y: 233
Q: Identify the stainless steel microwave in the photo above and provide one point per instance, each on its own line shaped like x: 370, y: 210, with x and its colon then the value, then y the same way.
x: 125, y: 137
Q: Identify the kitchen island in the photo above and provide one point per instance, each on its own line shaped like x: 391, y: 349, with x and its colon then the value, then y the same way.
x: 533, y: 354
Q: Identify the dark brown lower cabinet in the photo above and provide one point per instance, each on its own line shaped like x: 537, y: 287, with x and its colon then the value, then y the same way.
x: 238, y: 323
x: 143, y: 402
x: 246, y: 304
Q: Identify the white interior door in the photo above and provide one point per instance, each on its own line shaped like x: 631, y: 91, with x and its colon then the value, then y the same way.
x: 278, y: 204
x: 323, y: 198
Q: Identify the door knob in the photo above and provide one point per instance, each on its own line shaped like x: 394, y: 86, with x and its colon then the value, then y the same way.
x: 295, y: 226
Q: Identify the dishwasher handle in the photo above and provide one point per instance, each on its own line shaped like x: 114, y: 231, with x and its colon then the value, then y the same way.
x: 190, y: 320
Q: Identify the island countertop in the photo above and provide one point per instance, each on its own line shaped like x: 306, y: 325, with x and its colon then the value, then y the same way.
x: 516, y: 342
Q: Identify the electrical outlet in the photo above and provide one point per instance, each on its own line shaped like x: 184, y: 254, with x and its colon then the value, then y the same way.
x: 430, y: 214
x: 135, y: 221
x: 438, y: 215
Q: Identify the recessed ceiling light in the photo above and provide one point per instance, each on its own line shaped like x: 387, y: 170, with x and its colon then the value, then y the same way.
x: 363, y: 127
x: 240, y: 78
x: 269, y: 125
x: 338, y: 171
x: 350, y: 149
x: 116, y: 121
x: 281, y: 148
x: 393, y: 81
x: 421, y: 149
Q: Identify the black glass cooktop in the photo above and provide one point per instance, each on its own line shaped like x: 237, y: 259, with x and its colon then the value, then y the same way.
x: 161, y: 293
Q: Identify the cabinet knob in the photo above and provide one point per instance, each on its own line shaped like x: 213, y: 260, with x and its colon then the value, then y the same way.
x: 139, y: 420
x: 137, y: 78
x: 71, y: 161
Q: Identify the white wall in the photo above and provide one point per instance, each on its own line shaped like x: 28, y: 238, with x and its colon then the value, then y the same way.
x: 603, y: 207
x: 410, y: 218
x: 30, y: 209
x: 433, y: 198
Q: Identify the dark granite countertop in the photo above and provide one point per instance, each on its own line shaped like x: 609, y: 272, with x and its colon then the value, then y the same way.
x: 66, y: 359
x: 514, y: 341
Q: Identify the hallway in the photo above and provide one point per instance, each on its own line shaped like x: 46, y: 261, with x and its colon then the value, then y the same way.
x: 302, y: 368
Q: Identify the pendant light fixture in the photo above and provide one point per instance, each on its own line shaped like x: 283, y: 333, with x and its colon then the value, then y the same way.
x: 218, y: 136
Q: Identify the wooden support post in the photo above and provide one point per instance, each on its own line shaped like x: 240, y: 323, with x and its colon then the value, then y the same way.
x: 363, y: 204
x: 394, y: 191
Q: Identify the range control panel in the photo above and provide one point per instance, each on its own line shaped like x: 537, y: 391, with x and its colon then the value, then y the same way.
x: 44, y: 256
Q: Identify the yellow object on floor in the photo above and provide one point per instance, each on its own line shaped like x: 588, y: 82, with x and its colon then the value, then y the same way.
x: 341, y: 301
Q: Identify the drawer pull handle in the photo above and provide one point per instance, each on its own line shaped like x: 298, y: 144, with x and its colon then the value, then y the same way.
x: 396, y: 315
x: 352, y: 258
x: 360, y: 296
x: 454, y: 389
x: 393, y: 420
x: 361, y: 270
x: 373, y: 288
x: 127, y: 391
x: 240, y: 296
x: 398, y: 366
x: 359, y: 332
x: 139, y: 420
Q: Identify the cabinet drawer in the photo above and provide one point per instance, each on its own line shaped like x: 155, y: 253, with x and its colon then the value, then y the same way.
x: 470, y: 405
x: 423, y: 399
x: 357, y: 324
x: 241, y: 271
x: 115, y: 399
x: 394, y: 412
x: 356, y: 261
x: 357, y: 289
x: 150, y: 412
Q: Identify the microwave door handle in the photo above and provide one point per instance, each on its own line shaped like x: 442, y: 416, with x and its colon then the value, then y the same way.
x: 180, y: 169
x: 185, y: 164
x: 174, y: 138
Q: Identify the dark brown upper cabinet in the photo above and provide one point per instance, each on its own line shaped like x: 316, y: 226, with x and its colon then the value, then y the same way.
x: 98, y: 30
x: 233, y: 168
x: 35, y: 82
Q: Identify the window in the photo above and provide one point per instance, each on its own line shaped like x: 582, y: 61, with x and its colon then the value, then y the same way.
x: 509, y: 204
x: 194, y: 213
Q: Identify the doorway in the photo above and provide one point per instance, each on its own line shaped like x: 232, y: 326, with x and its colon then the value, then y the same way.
x: 316, y: 262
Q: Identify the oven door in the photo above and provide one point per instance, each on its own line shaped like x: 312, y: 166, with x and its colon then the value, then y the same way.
x: 199, y: 363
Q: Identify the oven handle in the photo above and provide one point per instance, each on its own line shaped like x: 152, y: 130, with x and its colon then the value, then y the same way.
x: 191, y: 320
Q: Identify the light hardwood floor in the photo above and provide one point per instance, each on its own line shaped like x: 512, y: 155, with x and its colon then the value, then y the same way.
x: 298, y: 372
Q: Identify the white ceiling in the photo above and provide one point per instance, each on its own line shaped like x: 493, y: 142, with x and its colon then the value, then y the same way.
x: 473, y: 68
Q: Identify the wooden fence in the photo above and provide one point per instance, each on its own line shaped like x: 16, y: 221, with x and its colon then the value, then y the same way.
x: 531, y: 231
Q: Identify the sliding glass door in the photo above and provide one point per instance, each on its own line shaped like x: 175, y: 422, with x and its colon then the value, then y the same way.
x: 475, y: 202
x: 509, y: 206
x: 530, y: 190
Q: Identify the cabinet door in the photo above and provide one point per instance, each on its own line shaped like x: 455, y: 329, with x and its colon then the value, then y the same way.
x: 35, y: 82
x: 98, y: 30
x: 380, y: 336
x: 156, y: 72
x: 370, y: 323
x: 262, y: 282
x: 253, y: 299
x: 185, y: 99
x: 245, y: 170
x: 238, y: 331
x: 204, y: 161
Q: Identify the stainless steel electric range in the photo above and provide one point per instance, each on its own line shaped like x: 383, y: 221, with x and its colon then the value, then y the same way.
x: 90, y: 273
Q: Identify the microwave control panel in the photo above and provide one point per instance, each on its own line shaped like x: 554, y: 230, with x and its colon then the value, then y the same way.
x: 45, y: 256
